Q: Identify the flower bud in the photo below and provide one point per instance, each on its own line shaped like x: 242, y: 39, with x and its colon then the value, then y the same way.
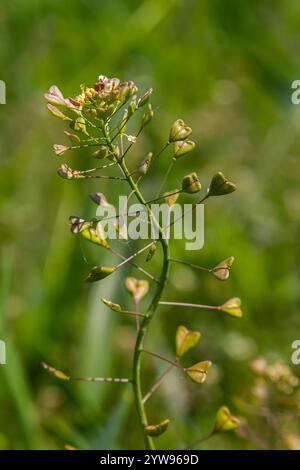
x: 100, y: 272
x: 72, y: 137
x: 145, y: 98
x: 179, y: 131
x: 147, y: 116
x: 99, y: 199
x: 232, y: 307
x: 57, y: 112
x: 144, y: 165
x: 60, y: 149
x: 132, y: 107
x: 182, y: 147
x: 77, y: 224
x: 151, y: 252
x: 225, y: 421
x: 78, y: 125
x: 220, y: 186
x: 191, y: 184
x: 111, y: 305
x: 67, y: 173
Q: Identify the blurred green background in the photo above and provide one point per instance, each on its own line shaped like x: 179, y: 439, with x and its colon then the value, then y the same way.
x: 224, y: 67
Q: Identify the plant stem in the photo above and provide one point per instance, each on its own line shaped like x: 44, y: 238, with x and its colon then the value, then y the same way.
x: 184, y: 304
x: 157, y: 383
x: 136, y: 367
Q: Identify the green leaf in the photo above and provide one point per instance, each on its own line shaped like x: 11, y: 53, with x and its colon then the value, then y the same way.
x: 220, y: 186
x: 100, y: 272
x: 185, y: 340
x: 225, y: 421
x: 198, y: 371
x: 155, y: 430
x: 221, y: 270
x: 232, y: 307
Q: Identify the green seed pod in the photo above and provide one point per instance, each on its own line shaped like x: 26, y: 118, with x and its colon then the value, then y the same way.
x: 155, y: 430
x: 232, y: 307
x: 101, y: 152
x: 221, y: 270
x: 182, y: 147
x: 179, y: 131
x: 191, y: 184
x: 220, y: 186
x: 225, y: 421
x: 185, y: 340
x: 100, y: 272
x: 198, y: 371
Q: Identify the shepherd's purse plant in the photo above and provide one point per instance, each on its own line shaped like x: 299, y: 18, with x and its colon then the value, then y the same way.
x: 97, y: 119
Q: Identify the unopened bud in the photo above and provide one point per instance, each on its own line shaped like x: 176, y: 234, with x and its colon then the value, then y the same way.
x: 111, y: 305
x: 144, y: 165
x: 67, y: 173
x: 145, y: 98
x: 79, y: 125
x: 100, y: 272
x: 72, y: 137
x: 57, y: 112
x: 60, y: 149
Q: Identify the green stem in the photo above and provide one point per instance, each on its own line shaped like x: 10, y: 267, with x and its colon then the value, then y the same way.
x: 137, y: 358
